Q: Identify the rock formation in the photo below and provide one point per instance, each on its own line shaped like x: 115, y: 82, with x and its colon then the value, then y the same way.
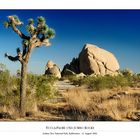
x: 52, y: 69
x: 72, y: 68
x: 93, y: 60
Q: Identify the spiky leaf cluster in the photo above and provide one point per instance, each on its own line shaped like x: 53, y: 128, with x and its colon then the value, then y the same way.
x: 16, y: 18
x: 9, y: 22
x: 30, y: 21
x: 41, y: 20
x: 50, y: 33
x: 30, y: 27
x: 6, y: 24
x: 43, y: 28
x: 41, y: 25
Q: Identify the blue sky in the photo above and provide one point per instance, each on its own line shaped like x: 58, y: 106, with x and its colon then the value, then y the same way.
x: 117, y: 31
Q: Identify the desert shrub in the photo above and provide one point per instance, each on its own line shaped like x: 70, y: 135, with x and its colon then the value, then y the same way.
x: 74, y: 79
x: 9, y: 91
x: 8, y: 83
x: 126, y: 72
x: 135, y: 80
x: 43, y: 86
x: 106, y: 82
x: 39, y: 88
x: 4, y: 80
x: 80, y: 81
x: 9, y: 99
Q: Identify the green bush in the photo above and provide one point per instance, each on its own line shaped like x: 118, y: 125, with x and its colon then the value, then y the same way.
x: 43, y: 86
x: 9, y: 88
x: 39, y: 88
x: 106, y: 82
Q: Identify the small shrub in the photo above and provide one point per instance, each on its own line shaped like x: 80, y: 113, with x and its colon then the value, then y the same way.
x: 43, y: 86
x: 107, y: 81
x: 126, y: 72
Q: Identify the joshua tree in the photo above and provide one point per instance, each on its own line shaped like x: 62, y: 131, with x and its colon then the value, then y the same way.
x: 38, y: 35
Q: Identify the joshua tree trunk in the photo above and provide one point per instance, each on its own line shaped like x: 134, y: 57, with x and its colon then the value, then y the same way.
x: 23, y: 88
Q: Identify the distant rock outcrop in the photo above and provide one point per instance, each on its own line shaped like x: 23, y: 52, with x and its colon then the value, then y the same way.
x: 52, y: 69
x: 93, y: 60
x: 72, y: 68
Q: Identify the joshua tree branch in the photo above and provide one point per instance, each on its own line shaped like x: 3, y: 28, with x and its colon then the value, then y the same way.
x: 24, y: 51
x: 15, y: 29
x: 15, y: 23
x: 28, y: 54
x: 35, y: 43
x: 46, y: 42
x: 43, y: 42
x: 13, y: 58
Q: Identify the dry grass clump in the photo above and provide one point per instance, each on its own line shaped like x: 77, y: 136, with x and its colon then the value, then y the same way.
x: 8, y: 113
x: 105, y: 105
x: 78, y: 98
x: 121, y: 107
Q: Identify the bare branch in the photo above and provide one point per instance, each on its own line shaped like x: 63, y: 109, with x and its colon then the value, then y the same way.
x: 12, y: 58
x: 15, y: 58
x: 19, y: 32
